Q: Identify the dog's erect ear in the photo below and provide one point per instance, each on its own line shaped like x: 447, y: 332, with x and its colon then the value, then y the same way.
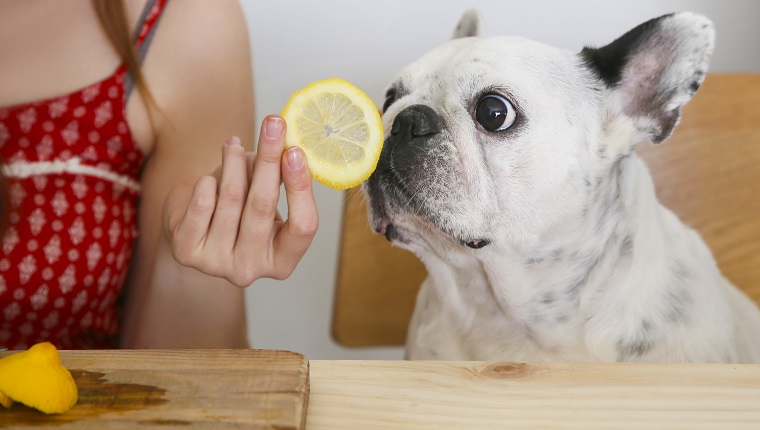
x: 470, y: 25
x: 656, y: 68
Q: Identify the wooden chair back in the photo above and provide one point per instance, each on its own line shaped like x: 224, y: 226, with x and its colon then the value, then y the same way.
x: 708, y: 173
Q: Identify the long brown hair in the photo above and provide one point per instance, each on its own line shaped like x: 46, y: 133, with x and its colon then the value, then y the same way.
x: 113, y: 18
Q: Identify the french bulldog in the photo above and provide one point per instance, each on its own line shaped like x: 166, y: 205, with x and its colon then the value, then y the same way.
x: 509, y: 169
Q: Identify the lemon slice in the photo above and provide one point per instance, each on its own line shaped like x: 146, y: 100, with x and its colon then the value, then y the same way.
x: 339, y: 129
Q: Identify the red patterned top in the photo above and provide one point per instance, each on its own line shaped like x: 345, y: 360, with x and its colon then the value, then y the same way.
x: 73, y: 176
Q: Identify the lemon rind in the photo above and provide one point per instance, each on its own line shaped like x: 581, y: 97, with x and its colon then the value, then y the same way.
x: 347, y: 176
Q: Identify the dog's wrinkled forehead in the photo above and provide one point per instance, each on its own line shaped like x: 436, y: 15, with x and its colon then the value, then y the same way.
x: 459, y: 71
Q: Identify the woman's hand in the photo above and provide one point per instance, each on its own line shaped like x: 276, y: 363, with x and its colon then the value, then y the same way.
x: 227, y: 225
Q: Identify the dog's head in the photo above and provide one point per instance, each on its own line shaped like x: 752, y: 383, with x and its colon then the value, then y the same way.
x: 499, y: 140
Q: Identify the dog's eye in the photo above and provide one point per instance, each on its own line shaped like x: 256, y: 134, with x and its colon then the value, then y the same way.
x: 390, y: 97
x: 495, y: 113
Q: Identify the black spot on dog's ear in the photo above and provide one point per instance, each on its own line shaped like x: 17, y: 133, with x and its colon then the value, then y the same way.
x: 609, y: 61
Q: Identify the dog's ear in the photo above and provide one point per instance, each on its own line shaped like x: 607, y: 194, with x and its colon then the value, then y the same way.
x: 470, y: 25
x: 656, y: 68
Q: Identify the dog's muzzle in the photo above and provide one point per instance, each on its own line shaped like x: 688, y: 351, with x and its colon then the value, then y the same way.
x: 413, y: 130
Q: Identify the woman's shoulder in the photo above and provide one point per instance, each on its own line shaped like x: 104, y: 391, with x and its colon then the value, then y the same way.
x: 200, y: 28
x: 200, y: 51
x: 197, y: 38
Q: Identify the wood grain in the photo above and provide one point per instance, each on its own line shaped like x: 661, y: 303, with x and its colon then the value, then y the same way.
x: 441, y: 395
x: 708, y: 173
x: 205, y: 389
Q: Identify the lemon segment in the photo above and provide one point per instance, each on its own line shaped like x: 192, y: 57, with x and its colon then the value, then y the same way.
x: 37, y: 379
x: 339, y: 129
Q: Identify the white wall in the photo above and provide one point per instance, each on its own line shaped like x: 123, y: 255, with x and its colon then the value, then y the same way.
x: 367, y: 42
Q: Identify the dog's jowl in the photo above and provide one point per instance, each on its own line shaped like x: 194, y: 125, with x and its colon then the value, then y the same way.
x: 509, y: 170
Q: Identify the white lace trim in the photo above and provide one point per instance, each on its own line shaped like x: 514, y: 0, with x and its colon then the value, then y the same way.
x: 25, y: 169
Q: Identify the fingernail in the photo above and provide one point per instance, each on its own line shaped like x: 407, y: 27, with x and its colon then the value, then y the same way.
x: 295, y: 159
x: 273, y: 128
x: 234, y: 141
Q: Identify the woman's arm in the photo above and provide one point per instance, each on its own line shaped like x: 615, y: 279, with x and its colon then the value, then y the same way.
x: 199, y: 72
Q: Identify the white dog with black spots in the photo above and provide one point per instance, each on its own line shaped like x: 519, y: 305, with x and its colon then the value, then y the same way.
x: 509, y: 170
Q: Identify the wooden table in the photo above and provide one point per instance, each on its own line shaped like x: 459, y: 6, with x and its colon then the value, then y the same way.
x: 473, y: 395
x: 256, y: 389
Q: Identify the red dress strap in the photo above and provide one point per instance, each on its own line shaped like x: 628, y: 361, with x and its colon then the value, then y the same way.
x: 149, y: 18
x: 143, y: 36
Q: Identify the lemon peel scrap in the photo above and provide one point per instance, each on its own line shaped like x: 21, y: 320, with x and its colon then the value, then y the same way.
x: 37, y: 379
x: 6, y: 401
x: 339, y: 129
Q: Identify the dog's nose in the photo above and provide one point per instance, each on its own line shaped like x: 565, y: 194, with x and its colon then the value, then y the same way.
x: 416, y: 121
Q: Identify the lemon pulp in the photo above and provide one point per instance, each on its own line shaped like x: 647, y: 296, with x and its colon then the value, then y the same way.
x: 339, y: 129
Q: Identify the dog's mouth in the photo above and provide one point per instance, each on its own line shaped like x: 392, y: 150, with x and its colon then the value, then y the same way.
x: 384, y: 226
x: 476, y: 243
x: 383, y: 223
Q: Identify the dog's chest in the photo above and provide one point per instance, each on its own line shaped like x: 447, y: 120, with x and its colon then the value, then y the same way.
x: 519, y: 311
x: 547, y: 313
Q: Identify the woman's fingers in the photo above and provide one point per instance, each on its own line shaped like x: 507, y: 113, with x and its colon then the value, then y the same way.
x: 295, y: 236
x: 189, y: 235
x: 238, y: 234
x: 261, y: 206
x: 233, y: 190
x: 250, y: 159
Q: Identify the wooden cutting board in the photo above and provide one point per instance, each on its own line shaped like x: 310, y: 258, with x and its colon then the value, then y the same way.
x: 160, y: 389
